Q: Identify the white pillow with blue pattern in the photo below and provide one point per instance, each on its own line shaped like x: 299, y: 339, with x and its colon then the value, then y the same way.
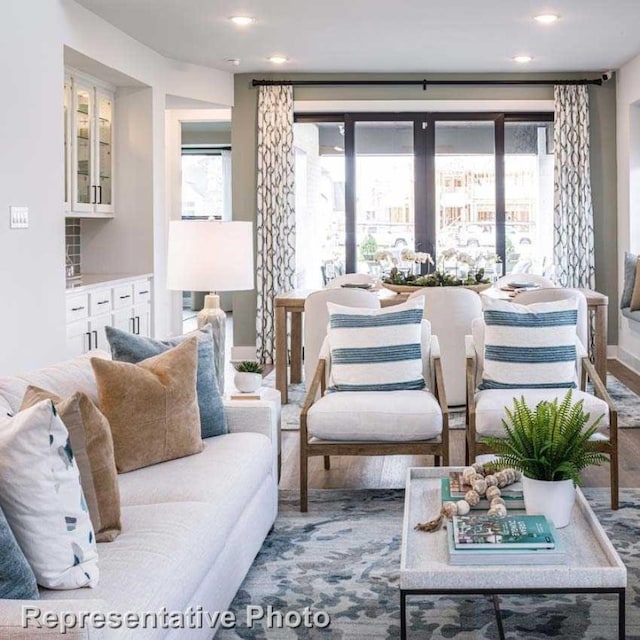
x: 376, y: 349
x: 42, y: 500
x: 529, y: 346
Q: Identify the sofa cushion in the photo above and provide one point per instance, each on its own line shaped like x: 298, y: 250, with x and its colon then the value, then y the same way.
x: 388, y: 416
x: 17, y: 581
x: 63, y: 379
x: 490, y: 405
x: 630, y: 263
x: 127, y: 347
x: 41, y: 497
x: 376, y: 349
x: 151, y: 407
x: 92, y: 447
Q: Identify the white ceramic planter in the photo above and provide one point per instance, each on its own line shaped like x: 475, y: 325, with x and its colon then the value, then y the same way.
x: 551, y: 499
x: 247, y: 382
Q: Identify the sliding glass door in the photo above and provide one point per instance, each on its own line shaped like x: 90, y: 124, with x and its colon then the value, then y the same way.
x: 472, y: 184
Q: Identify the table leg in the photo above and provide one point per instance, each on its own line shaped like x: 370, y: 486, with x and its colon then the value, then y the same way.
x: 600, y: 342
x: 281, y: 353
x: 496, y: 606
x: 296, y: 347
x: 403, y: 615
x: 621, y: 615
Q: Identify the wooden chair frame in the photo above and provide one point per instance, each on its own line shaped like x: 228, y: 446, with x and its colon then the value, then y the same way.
x: 588, y: 372
x: 439, y: 449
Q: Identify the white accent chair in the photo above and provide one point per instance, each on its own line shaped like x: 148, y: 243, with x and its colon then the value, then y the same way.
x: 375, y: 423
x: 316, y: 319
x: 351, y: 278
x: 486, y: 408
x: 451, y: 310
x: 524, y: 277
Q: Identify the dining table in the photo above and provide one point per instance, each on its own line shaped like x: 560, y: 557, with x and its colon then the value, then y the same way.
x: 289, y: 310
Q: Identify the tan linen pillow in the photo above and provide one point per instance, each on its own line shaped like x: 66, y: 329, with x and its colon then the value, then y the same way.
x: 92, y: 447
x: 152, y: 406
x: 635, y: 296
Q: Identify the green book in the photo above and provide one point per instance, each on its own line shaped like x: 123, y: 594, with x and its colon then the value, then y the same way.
x: 513, y: 499
x: 482, y: 531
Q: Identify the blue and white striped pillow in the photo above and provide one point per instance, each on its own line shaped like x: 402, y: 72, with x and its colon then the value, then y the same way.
x: 530, y: 346
x: 376, y: 349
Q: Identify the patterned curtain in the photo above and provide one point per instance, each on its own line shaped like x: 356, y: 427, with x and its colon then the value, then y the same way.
x: 276, y: 223
x: 573, y: 210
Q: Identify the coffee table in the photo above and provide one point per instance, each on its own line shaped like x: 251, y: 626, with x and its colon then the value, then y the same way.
x: 593, y: 566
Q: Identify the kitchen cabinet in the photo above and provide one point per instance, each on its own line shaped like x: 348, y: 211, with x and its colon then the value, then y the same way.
x: 89, y: 108
x: 123, y: 303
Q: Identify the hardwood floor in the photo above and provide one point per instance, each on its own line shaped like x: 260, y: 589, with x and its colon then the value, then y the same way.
x: 384, y: 472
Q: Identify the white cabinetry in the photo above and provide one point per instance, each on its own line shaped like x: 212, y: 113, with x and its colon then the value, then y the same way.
x: 88, y: 147
x: 124, y: 305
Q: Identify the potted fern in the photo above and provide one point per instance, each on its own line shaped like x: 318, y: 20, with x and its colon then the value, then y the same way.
x: 550, y: 445
x: 248, y: 376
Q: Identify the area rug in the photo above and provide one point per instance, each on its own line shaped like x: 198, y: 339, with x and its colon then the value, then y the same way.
x: 343, y: 558
x: 627, y: 401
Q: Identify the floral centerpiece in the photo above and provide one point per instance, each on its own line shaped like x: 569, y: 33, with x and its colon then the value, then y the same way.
x: 401, y: 281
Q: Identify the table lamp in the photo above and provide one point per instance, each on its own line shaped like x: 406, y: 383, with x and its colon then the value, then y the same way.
x: 211, y: 256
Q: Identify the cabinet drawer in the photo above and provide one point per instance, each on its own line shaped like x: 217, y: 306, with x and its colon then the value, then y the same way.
x: 100, y: 302
x: 123, y: 296
x: 77, y: 307
x: 141, y: 291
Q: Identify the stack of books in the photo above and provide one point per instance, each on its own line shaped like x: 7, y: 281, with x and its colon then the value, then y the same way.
x: 481, y: 539
x: 453, y: 489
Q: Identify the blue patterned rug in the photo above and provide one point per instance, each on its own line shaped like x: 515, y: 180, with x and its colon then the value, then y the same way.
x: 343, y: 557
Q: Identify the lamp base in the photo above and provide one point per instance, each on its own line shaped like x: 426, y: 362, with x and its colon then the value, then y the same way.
x: 212, y: 314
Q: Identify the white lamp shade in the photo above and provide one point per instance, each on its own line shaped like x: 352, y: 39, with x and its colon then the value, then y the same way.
x: 210, y: 256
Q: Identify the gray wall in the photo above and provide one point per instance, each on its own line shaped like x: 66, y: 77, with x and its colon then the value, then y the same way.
x: 603, y: 159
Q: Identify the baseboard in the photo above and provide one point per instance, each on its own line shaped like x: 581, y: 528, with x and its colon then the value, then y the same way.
x: 238, y: 354
x: 629, y: 360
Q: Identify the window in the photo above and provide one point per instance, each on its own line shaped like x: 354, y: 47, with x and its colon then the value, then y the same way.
x: 373, y: 184
x: 206, y: 188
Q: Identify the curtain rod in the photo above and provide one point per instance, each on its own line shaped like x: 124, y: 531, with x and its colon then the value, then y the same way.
x: 423, y: 83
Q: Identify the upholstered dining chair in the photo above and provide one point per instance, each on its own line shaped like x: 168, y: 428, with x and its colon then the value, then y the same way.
x: 316, y: 318
x: 451, y: 310
x: 374, y: 422
x: 487, y: 399
x: 534, y: 278
x: 351, y: 279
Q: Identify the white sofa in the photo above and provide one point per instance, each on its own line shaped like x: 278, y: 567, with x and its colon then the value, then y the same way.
x: 191, y: 527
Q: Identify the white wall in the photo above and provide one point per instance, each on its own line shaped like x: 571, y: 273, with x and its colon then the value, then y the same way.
x: 33, y: 35
x: 628, y: 141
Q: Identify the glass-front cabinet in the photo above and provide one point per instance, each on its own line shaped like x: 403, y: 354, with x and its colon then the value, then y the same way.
x: 89, y: 149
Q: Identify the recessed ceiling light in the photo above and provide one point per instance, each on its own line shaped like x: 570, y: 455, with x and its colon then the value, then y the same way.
x: 547, y: 18
x: 242, y: 21
x: 278, y: 59
x: 338, y: 149
x: 522, y: 59
x: 234, y: 61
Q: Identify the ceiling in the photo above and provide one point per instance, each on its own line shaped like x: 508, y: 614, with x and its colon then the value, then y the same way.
x: 379, y: 36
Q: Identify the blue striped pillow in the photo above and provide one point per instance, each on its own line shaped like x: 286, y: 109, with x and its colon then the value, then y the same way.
x: 376, y: 349
x: 530, y: 346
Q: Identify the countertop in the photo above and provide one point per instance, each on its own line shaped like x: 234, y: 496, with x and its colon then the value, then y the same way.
x: 93, y: 280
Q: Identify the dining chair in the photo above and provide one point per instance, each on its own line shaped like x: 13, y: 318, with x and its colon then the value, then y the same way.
x: 450, y: 311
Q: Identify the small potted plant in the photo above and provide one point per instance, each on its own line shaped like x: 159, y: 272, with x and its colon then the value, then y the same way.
x: 550, y: 445
x: 248, y: 376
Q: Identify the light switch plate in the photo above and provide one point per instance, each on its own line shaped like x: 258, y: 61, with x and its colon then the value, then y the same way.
x: 19, y: 217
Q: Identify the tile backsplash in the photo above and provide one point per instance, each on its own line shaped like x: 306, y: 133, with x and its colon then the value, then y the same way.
x: 72, y: 246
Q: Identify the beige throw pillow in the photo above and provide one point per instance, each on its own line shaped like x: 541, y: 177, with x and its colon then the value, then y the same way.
x: 92, y: 446
x: 152, y: 406
x: 635, y: 296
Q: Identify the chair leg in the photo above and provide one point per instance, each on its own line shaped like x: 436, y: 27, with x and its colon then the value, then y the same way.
x: 613, y: 469
x: 436, y: 461
x: 304, y: 479
x: 327, y: 463
x: 469, y: 451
